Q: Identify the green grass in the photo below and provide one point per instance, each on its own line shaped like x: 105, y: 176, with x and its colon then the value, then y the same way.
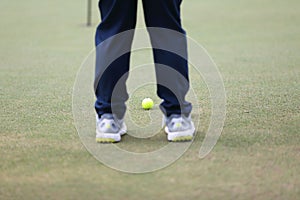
x: 256, y: 45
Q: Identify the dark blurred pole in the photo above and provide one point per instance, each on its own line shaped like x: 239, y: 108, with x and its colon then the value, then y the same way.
x: 89, y: 13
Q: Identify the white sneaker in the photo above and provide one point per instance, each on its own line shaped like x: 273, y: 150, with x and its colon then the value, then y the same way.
x: 179, y: 128
x: 109, y: 129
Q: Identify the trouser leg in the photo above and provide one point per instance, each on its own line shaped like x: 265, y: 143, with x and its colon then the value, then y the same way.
x: 173, y: 81
x: 116, y: 16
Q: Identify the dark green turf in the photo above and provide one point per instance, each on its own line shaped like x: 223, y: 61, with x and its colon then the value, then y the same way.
x: 256, y: 45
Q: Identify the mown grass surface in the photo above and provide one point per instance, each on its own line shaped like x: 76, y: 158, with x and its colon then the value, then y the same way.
x: 256, y: 45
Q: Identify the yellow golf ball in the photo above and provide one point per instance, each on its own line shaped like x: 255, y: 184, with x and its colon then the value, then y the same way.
x: 147, y: 103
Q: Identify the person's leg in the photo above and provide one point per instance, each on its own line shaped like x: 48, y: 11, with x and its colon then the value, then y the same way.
x: 117, y: 16
x: 166, y: 14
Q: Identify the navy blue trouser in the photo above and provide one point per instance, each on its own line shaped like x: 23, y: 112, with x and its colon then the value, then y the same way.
x: 120, y: 15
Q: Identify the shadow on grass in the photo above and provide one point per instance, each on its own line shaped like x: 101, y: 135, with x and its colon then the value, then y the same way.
x: 143, y: 145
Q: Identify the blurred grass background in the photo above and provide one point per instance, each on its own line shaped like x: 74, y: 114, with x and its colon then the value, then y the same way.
x: 256, y: 45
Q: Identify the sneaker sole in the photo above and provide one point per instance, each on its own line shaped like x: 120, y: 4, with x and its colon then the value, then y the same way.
x: 107, y: 140
x: 181, y: 136
x: 111, y: 137
x: 181, y: 139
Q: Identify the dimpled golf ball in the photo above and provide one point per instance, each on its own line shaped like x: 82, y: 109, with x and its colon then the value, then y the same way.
x: 147, y: 103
